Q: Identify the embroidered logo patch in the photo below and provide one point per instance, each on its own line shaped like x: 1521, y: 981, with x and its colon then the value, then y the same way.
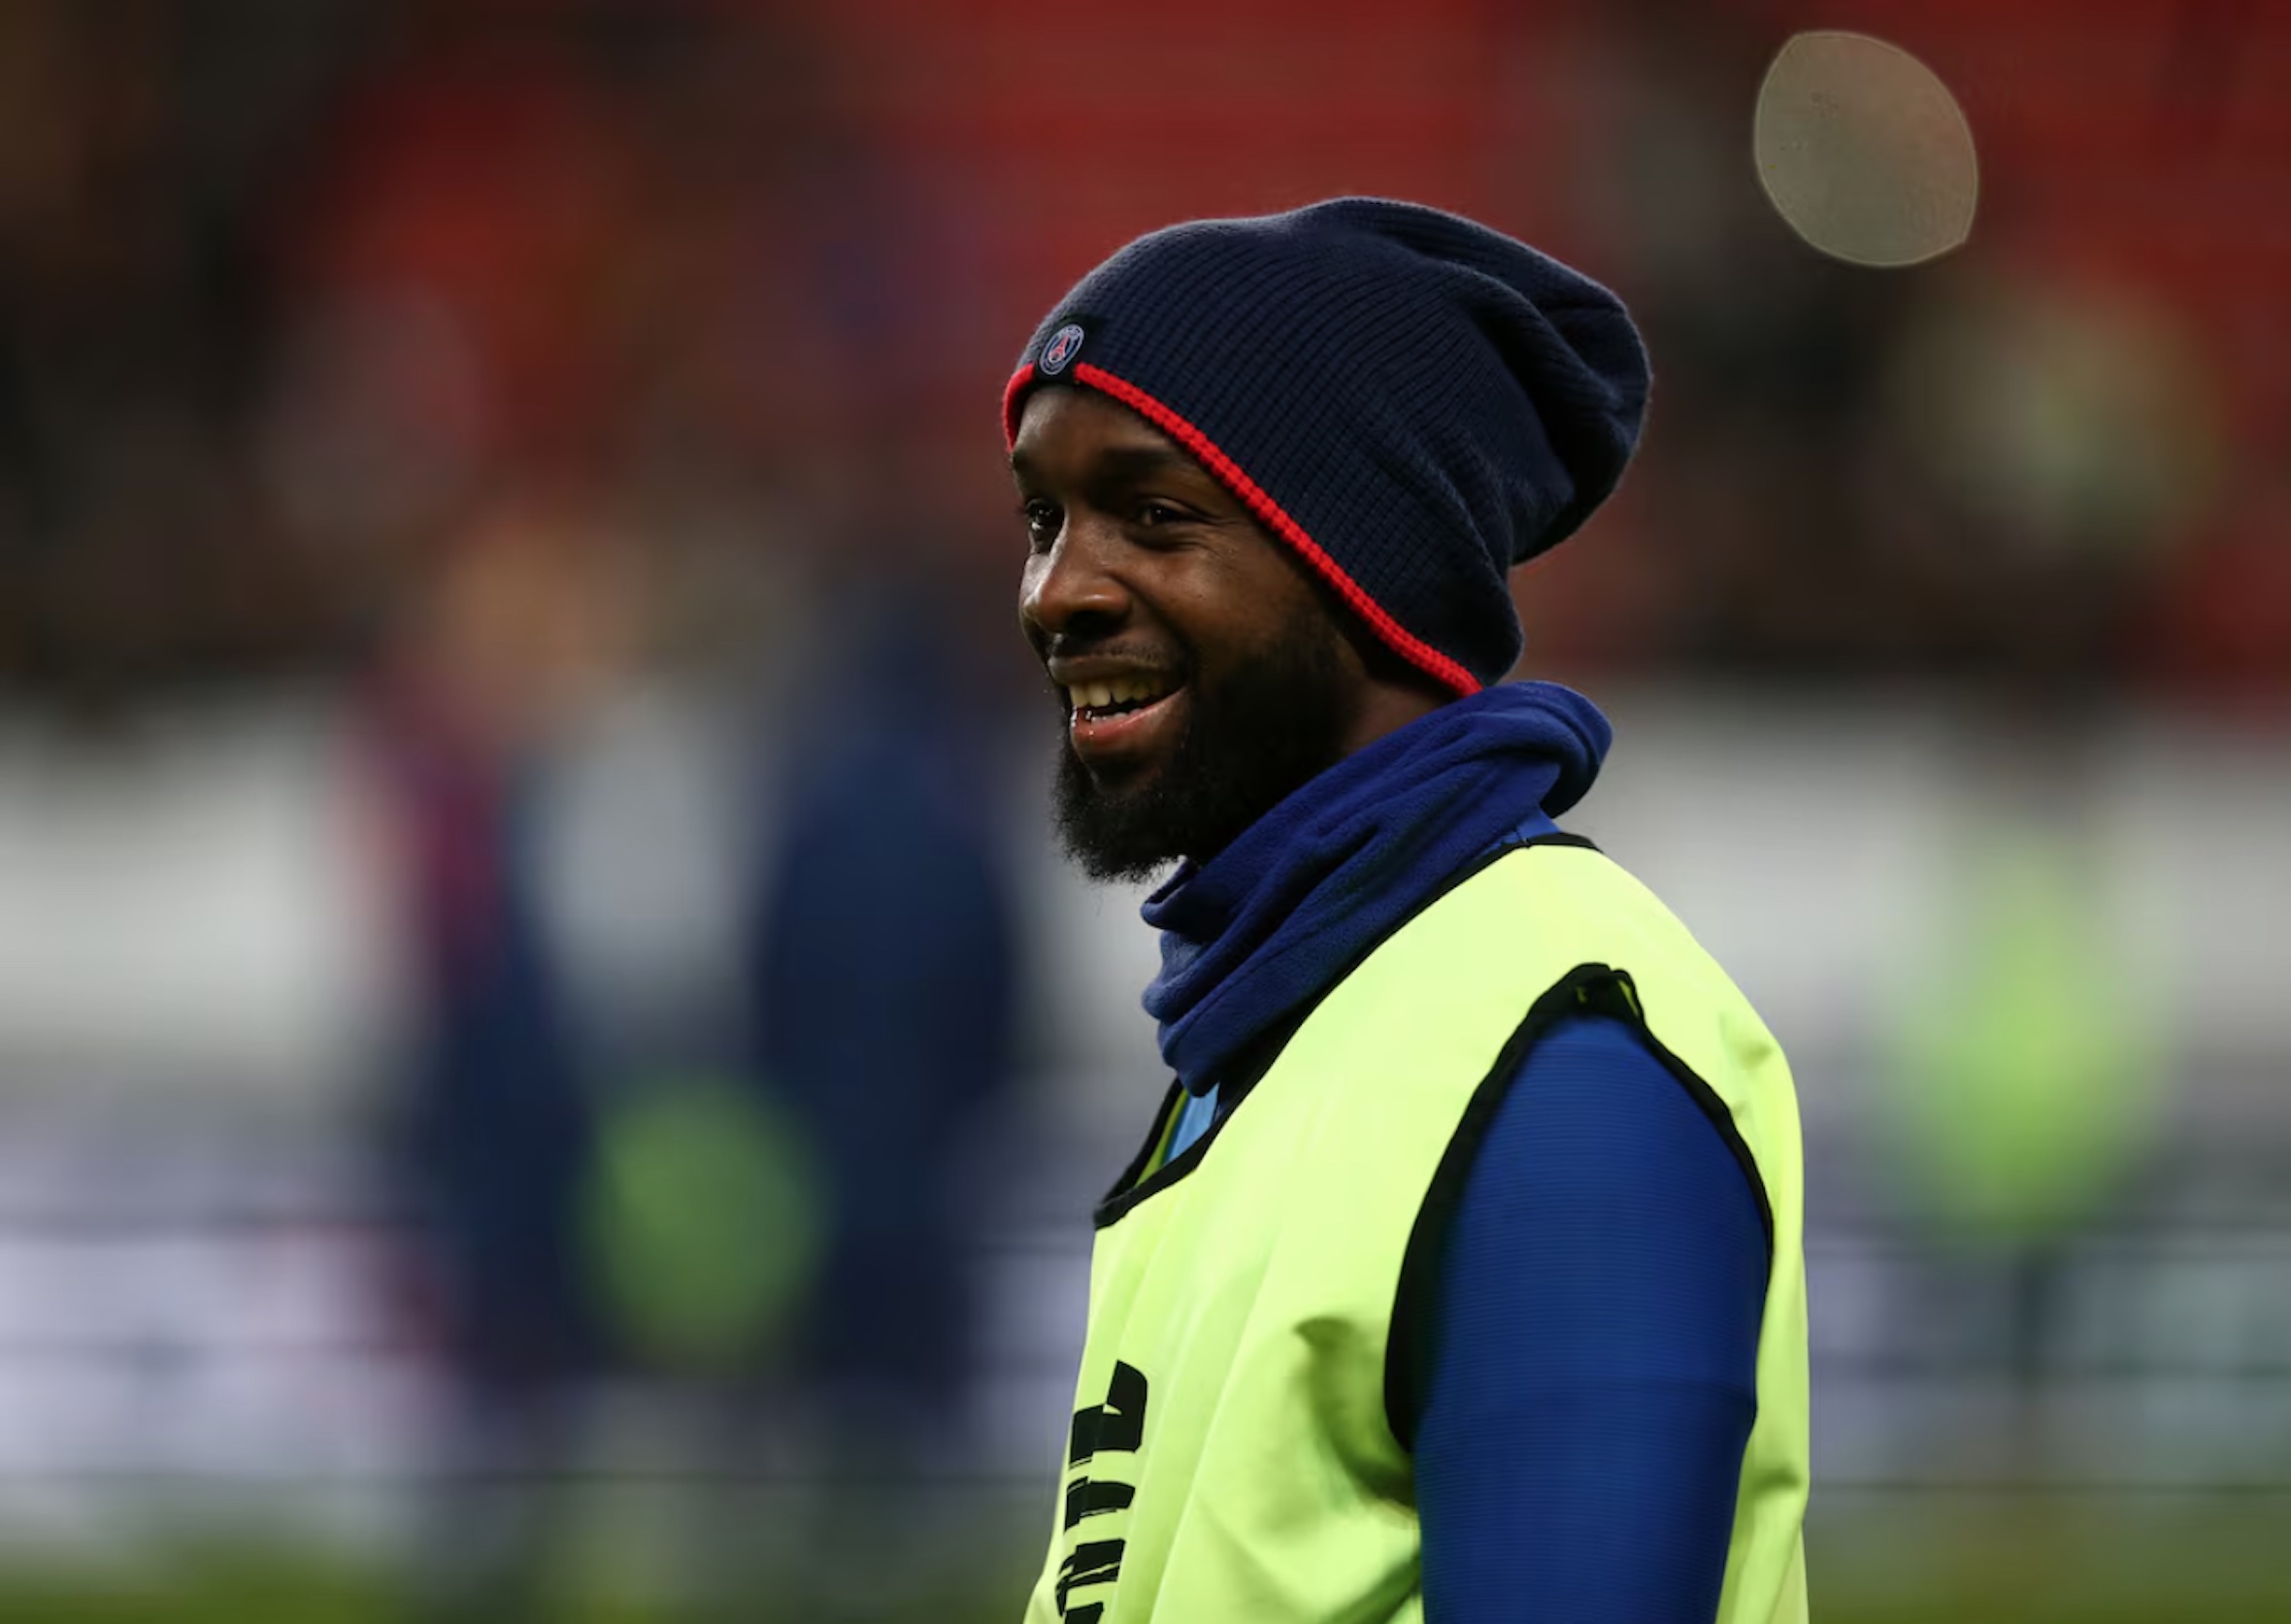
x: 1062, y: 348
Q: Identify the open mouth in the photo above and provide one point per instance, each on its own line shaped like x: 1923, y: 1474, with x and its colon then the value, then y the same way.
x: 1120, y: 719
x: 1120, y: 696
x: 1114, y: 707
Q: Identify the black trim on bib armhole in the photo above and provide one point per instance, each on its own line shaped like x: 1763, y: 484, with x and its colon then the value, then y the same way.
x: 1589, y: 990
x: 1136, y: 1184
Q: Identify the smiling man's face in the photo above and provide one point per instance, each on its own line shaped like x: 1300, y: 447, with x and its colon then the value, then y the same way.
x: 1202, y: 675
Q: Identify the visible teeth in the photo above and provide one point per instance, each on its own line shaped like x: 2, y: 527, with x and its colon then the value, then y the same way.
x: 1096, y: 696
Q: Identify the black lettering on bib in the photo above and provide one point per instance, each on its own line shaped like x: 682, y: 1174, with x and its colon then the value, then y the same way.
x: 1116, y: 1427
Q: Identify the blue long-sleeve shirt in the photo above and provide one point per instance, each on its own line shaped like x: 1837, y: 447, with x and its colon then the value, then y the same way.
x: 1592, y: 1350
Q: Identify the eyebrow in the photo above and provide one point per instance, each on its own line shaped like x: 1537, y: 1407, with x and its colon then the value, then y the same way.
x: 1129, y: 462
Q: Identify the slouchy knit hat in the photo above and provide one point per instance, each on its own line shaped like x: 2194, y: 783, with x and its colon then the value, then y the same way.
x: 1411, y: 402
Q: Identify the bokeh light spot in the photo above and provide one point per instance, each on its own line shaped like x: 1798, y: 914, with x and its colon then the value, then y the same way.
x: 1863, y: 152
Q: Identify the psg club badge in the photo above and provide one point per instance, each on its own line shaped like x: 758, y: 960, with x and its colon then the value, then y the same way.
x: 1061, y: 348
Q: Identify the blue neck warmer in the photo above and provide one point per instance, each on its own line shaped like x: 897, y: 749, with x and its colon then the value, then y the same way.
x: 1270, y: 922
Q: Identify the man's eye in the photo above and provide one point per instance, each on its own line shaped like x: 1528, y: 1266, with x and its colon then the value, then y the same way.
x: 1041, y: 518
x: 1156, y: 514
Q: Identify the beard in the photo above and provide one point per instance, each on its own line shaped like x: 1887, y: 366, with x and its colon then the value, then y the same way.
x: 1252, y: 737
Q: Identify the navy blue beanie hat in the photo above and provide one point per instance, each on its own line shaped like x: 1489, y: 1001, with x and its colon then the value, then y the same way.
x: 1412, y: 402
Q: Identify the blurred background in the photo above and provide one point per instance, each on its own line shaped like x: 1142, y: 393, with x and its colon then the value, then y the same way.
x: 549, y: 1069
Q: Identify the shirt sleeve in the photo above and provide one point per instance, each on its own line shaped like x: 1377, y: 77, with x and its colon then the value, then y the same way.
x: 1589, y: 1349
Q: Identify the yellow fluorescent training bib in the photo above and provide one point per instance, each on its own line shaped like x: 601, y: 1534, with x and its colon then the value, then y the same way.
x: 1233, y: 1458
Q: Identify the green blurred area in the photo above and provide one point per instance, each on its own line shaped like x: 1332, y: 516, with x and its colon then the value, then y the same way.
x: 2026, y: 1063
x: 705, y: 1223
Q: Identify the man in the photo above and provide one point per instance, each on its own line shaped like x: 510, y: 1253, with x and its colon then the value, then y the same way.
x: 1460, y: 1276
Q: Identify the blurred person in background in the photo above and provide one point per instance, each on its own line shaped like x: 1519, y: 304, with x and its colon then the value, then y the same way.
x: 494, y: 1124
x: 886, y: 991
x: 2057, y: 447
x: 1461, y: 1266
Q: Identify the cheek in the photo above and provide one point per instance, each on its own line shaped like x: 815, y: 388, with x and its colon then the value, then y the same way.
x: 1270, y: 609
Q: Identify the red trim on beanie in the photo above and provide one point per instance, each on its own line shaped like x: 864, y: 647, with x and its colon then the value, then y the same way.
x: 1018, y: 380
x: 1394, y: 636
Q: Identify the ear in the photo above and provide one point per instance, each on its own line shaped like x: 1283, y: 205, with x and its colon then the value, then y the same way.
x: 1380, y: 668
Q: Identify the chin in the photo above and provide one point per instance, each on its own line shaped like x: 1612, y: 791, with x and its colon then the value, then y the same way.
x: 1115, y: 831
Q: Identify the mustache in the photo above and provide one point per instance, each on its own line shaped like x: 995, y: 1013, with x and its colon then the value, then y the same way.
x: 1154, y: 663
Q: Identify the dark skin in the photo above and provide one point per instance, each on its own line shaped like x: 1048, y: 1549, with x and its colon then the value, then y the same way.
x: 1142, y: 567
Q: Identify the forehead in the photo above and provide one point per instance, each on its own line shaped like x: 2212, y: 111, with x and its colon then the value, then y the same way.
x: 1063, y: 425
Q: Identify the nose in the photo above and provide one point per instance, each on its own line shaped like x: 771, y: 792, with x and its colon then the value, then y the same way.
x: 1071, y: 591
